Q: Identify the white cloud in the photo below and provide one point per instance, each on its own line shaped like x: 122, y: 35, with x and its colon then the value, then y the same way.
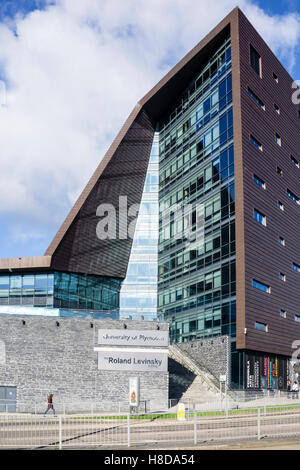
x: 74, y: 72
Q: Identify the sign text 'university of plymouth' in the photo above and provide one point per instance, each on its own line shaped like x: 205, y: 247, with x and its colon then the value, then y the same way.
x: 133, y: 338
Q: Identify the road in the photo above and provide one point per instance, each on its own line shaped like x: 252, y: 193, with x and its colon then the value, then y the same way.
x: 44, y: 432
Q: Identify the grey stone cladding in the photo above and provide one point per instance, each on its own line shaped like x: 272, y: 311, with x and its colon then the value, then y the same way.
x: 212, y: 354
x: 40, y: 356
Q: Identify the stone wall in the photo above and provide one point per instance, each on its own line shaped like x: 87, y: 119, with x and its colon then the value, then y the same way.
x: 212, y: 354
x: 41, y: 357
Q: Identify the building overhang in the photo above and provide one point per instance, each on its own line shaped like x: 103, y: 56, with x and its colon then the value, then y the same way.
x: 32, y: 263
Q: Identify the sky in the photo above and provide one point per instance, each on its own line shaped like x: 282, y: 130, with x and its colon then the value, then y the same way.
x: 73, y: 70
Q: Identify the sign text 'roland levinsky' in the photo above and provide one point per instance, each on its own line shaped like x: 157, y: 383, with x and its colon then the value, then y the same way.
x: 133, y: 350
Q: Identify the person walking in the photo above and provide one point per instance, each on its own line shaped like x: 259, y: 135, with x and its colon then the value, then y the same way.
x: 295, y: 389
x: 288, y: 389
x: 50, y: 404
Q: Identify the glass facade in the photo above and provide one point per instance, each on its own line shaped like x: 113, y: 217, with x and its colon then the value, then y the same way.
x: 138, y: 297
x: 60, y: 290
x: 196, y: 282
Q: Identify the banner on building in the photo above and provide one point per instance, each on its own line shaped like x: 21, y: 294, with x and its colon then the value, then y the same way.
x: 264, y: 371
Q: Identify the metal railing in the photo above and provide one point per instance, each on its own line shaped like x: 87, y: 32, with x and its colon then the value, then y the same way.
x: 127, y: 430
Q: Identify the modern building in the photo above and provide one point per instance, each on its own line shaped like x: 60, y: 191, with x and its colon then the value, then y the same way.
x: 138, y: 296
x: 222, y: 130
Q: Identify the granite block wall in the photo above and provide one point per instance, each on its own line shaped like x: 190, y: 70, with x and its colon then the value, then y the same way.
x: 212, y: 354
x: 39, y: 357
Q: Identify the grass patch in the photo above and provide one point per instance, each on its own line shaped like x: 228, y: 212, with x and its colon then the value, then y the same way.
x: 152, y: 416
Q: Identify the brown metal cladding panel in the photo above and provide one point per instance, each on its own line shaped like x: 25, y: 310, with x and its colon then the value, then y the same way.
x: 74, y: 248
x: 80, y: 249
x: 239, y: 183
x: 265, y: 258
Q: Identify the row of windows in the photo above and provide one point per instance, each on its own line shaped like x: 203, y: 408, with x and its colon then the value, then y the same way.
x: 212, y: 104
x: 215, y: 210
x: 260, y: 103
x: 208, y: 322
x: 258, y: 144
x: 209, y: 74
x: 210, y: 287
x: 265, y: 327
x: 216, y: 172
x: 256, y: 63
x: 266, y: 288
x: 196, y: 153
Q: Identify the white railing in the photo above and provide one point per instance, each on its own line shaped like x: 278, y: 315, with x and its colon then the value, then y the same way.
x: 125, y: 430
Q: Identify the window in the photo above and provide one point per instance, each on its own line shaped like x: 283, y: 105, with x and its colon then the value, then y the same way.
x: 280, y: 206
x: 260, y: 286
x: 276, y: 108
x: 293, y: 196
x: 261, y: 326
x: 297, y: 318
x: 259, y: 217
x: 282, y: 277
x: 259, y: 181
x: 256, y: 99
x: 278, y: 139
x: 281, y: 241
x: 255, y: 60
x: 279, y: 171
x: 255, y: 142
x: 275, y: 77
x: 294, y: 161
x: 283, y: 313
x: 296, y: 267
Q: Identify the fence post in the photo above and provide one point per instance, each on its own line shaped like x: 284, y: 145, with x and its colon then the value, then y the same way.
x: 60, y: 432
x: 128, y: 429
x: 226, y: 407
x: 195, y: 427
x: 258, y: 424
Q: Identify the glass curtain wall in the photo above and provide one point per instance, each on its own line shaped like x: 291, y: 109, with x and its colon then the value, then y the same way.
x: 138, y: 298
x: 196, y: 282
x: 60, y: 290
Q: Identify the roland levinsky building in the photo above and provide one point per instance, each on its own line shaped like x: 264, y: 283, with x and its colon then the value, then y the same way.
x: 220, y: 131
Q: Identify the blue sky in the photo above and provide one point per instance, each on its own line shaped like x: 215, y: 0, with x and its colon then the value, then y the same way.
x: 66, y: 99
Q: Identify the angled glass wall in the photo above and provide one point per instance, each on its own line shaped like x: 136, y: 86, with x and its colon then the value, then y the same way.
x: 138, y: 298
x: 60, y: 290
x: 196, y: 282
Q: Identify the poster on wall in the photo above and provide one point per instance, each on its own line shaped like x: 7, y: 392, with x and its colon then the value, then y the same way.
x: 265, y: 371
x: 134, y: 391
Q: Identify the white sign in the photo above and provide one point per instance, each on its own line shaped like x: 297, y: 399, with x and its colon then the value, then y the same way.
x: 134, y: 361
x: 134, y: 338
x: 134, y: 391
x: 223, y: 378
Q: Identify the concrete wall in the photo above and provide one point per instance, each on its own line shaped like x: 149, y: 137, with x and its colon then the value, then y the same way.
x: 212, y: 354
x: 41, y: 357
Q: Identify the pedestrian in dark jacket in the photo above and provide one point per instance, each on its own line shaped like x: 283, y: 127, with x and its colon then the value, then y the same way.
x: 288, y: 388
x: 50, y: 404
